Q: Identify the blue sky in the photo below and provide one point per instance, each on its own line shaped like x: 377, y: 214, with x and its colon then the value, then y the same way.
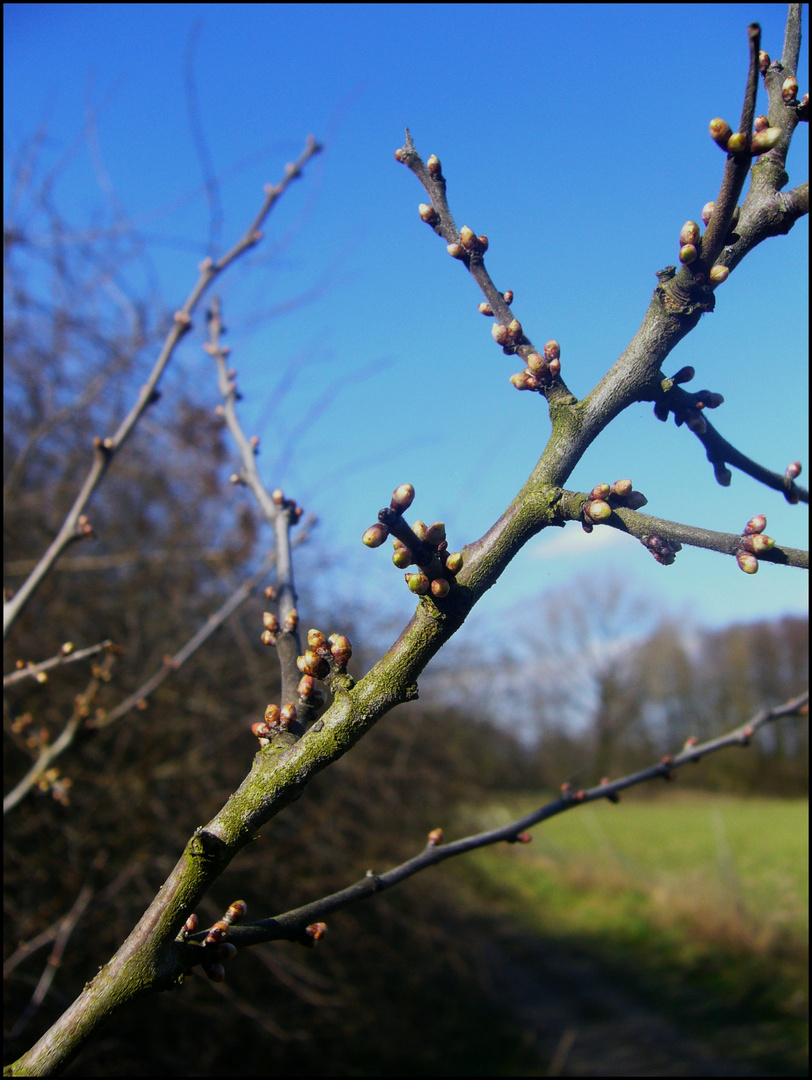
x: 574, y: 136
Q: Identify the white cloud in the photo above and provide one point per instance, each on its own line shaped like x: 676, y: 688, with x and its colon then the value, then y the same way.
x: 572, y: 542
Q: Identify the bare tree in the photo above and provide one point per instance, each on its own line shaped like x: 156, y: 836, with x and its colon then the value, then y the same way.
x: 298, y: 737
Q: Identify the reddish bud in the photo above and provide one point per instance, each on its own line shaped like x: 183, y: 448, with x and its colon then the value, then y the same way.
x: 524, y: 838
x: 747, y: 562
x: 552, y: 351
x: 483, y: 244
x: 433, y: 165
x: 485, y: 309
x: 761, y: 123
x: 523, y: 382
x: 793, y: 470
x: 399, y: 155
x: 288, y: 715
x: 236, y: 911
x: 435, y: 534
x: 427, y: 213
x: 306, y: 687
x: 720, y: 132
x: 514, y: 329
x: 402, y: 498
x: 440, y: 588
x: 707, y: 212
x: 435, y: 837
x: 315, y: 639
x: 270, y: 621
x: 763, y: 61
x: 555, y: 368
x: 456, y: 251
x: 341, y: 649
x: 272, y: 714
x: 508, y: 296
x: 766, y: 140
x: 501, y: 334
x: 689, y: 233
x: 375, y: 535
x: 468, y: 239
x: 621, y: 488
x: 600, y: 491
x: 268, y: 638
x: 191, y: 924
x: 317, y: 930
x: 719, y: 273
x: 291, y: 621
x: 756, y: 524
x: 789, y: 90
x: 536, y: 363
x: 761, y: 543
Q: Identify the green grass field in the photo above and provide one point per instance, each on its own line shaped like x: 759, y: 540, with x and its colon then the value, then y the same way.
x: 700, y: 901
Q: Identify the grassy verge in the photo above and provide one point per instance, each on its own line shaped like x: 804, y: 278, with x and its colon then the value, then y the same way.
x: 697, y: 901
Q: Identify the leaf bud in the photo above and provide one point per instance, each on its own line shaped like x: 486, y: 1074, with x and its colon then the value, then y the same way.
x: 288, y: 715
x: 514, y: 329
x: 453, y: 563
x: 402, y: 558
x: 622, y: 488
x: 722, y: 473
x: 720, y: 132
x: 468, y: 239
x: 536, y: 364
x: 270, y: 621
x: 555, y: 367
x: 375, y: 535
x: 418, y: 583
x: 261, y: 731
x: 433, y: 165
x: 435, y: 837
x: 500, y: 334
x: 456, y: 251
x: 598, y: 510
x: 763, y: 61
x: 719, y: 273
x: 419, y: 529
x: 761, y: 123
x: 789, y: 90
x: 269, y: 592
x: 737, y: 143
x: 306, y: 687
x: 236, y: 911
x: 427, y: 213
x: 687, y: 254
x: 689, y: 233
x: 600, y: 491
x: 341, y: 649
x: 756, y: 524
x: 552, y: 351
x: 317, y: 930
x: 793, y: 470
x: 485, y: 309
x: 399, y: 155
x: 508, y: 296
x: 267, y: 637
x: 747, y: 562
x: 402, y: 498
x: 522, y: 381
x: 765, y: 140
x: 440, y: 588
x: 761, y: 543
x: 291, y: 621
x: 524, y: 837
x: 483, y: 244
x: 435, y: 534
x: 707, y: 212
x: 278, y: 497
x: 272, y: 714
x: 190, y: 926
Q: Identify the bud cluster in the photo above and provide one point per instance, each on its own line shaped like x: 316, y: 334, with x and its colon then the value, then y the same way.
x: 322, y: 656
x: 281, y: 503
x: 217, y: 950
x: 736, y: 142
x: 275, y: 720
x: 754, y: 542
x: 422, y: 545
x: 664, y: 551
x: 540, y: 370
x: 508, y: 336
x: 603, y: 499
x: 689, y: 249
